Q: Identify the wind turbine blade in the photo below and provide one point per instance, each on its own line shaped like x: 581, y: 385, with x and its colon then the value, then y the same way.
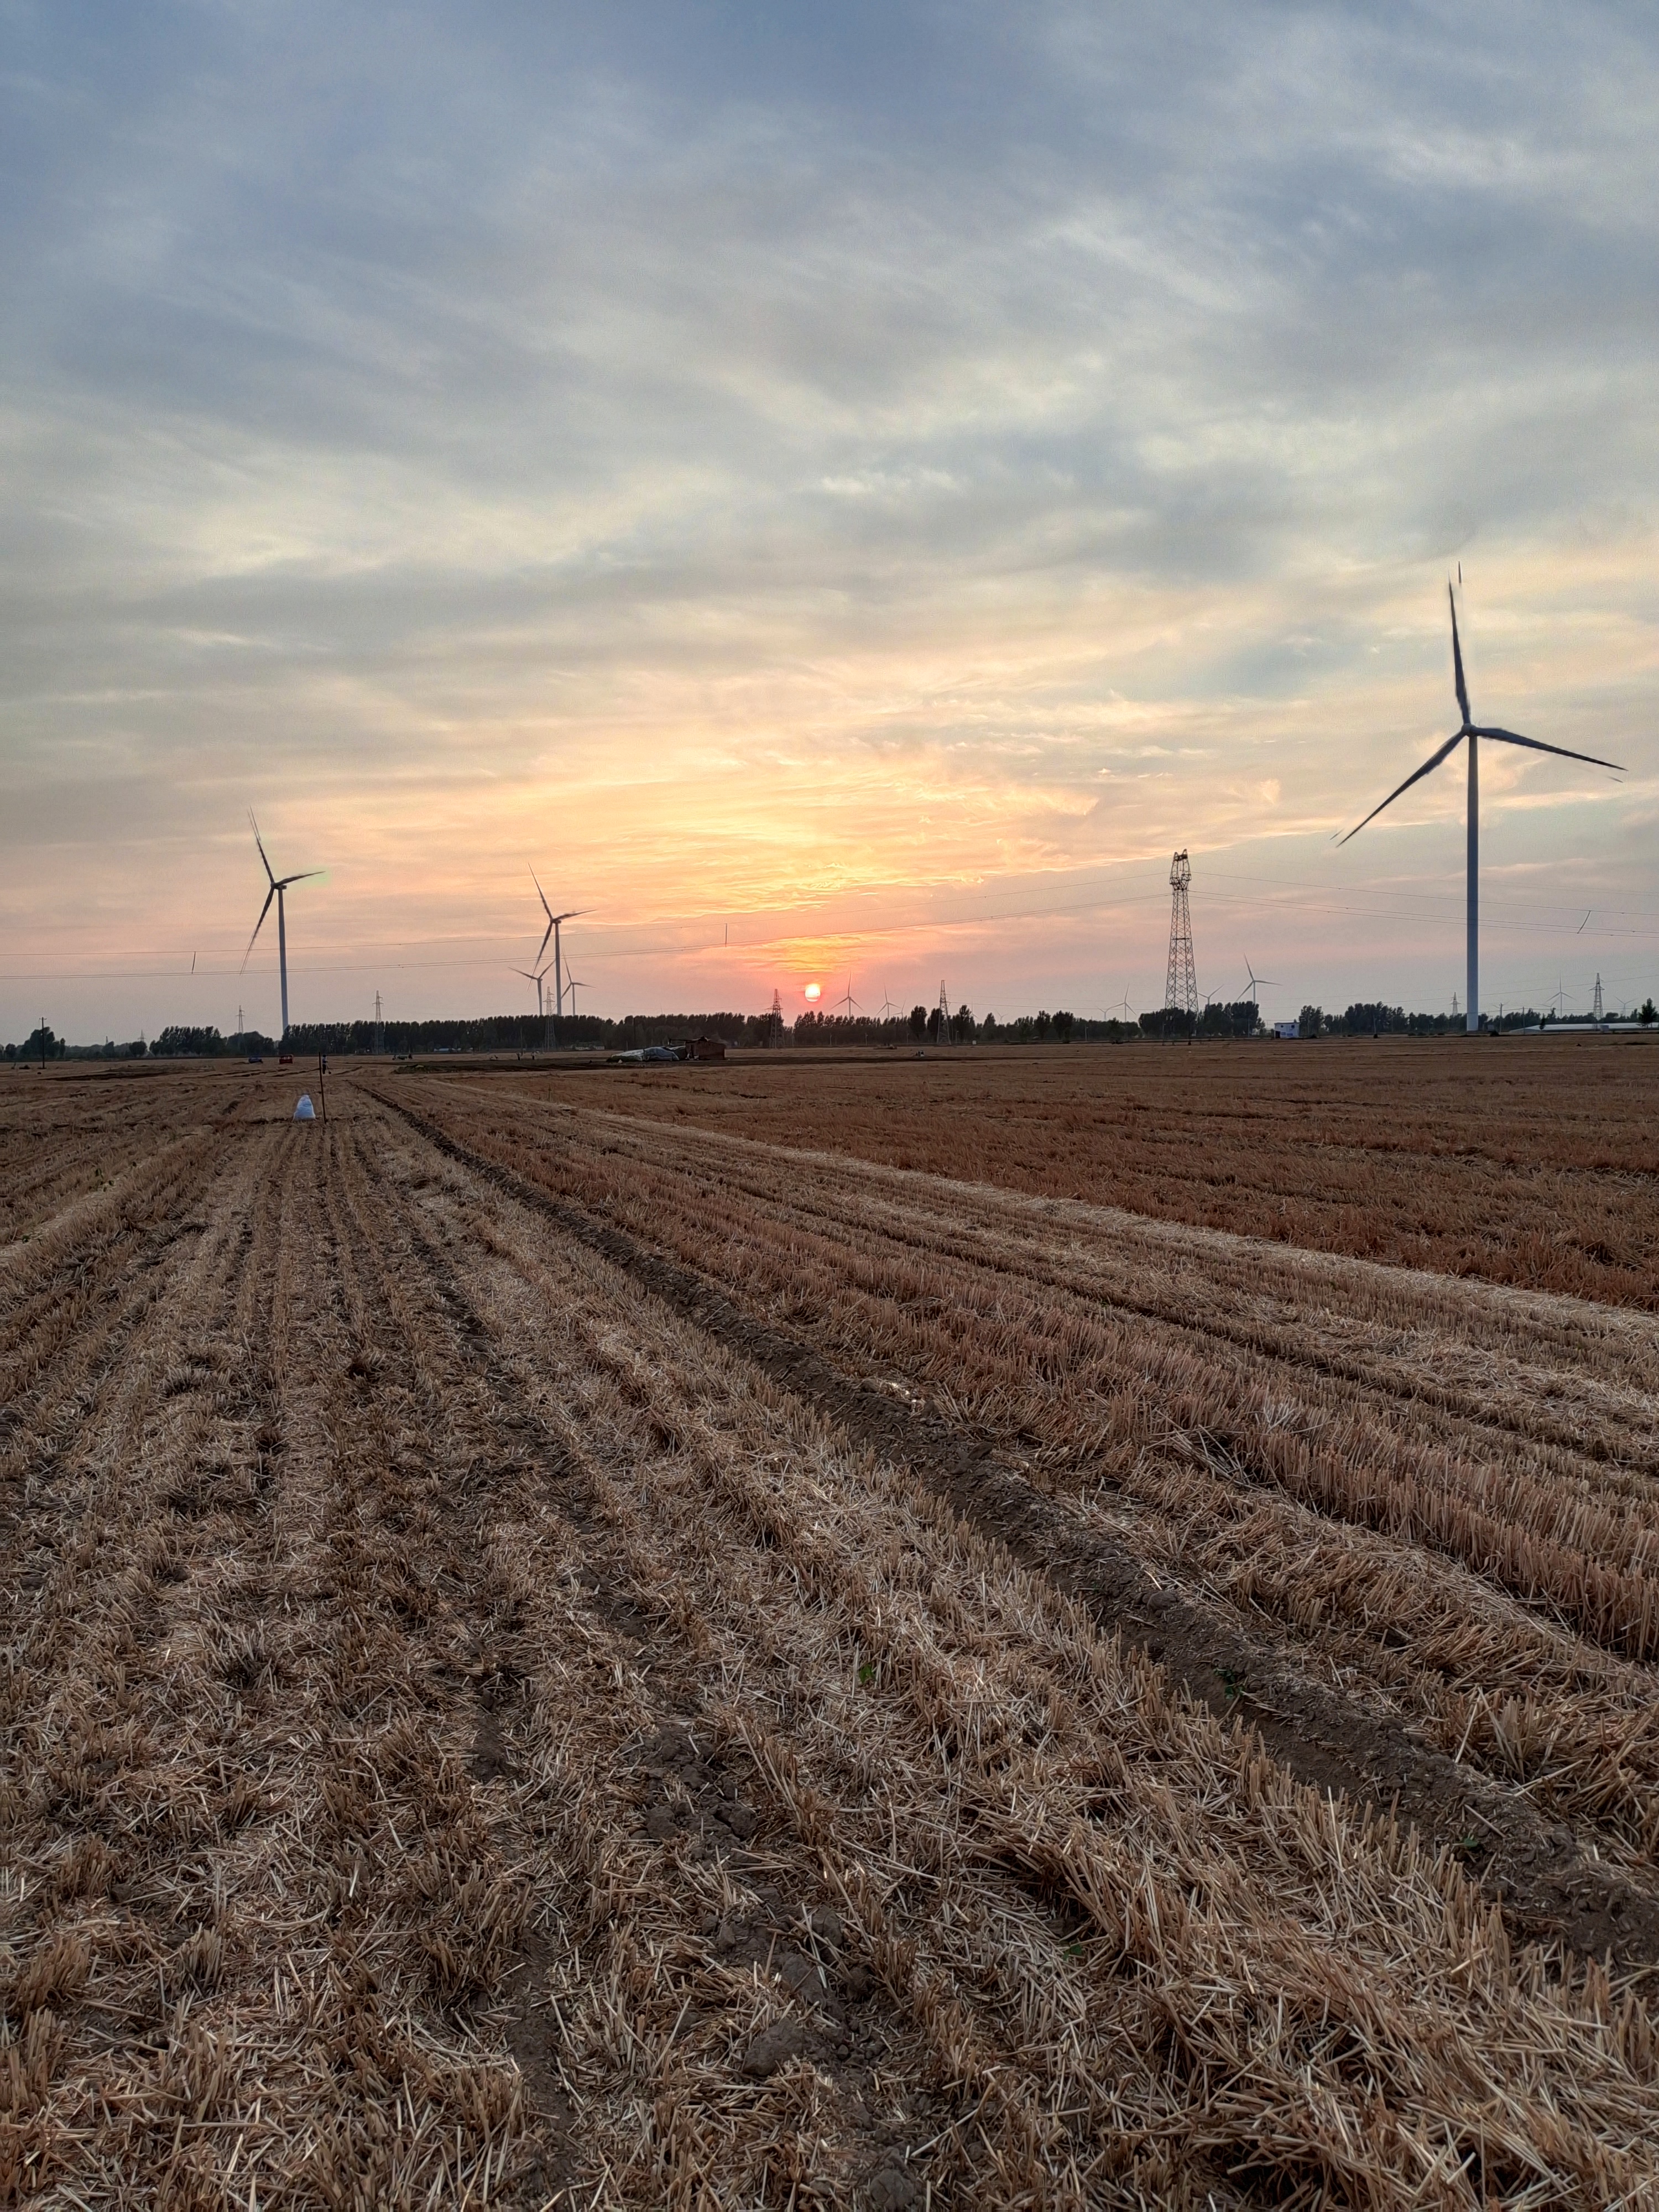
x: 1457, y: 663
x: 1416, y: 776
x: 259, y: 841
x: 307, y: 875
x: 259, y: 926
x: 546, y: 909
x: 1537, y: 746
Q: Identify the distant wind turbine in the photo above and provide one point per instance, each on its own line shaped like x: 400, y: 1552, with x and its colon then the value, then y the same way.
x: 1256, y: 982
x: 847, y: 1001
x: 278, y: 885
x: 536, y: 975
x: 1473, y: 731
x: 572, y: 985
x: 554, y: 923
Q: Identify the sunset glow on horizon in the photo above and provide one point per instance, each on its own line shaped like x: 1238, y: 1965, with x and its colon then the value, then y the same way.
x: 840, y: 492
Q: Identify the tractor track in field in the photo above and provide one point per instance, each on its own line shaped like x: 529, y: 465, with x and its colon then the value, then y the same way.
x: 1549, y: 1887
x: 852, y: 2021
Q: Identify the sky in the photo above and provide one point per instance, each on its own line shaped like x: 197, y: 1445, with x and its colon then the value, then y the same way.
x: 842, y: 492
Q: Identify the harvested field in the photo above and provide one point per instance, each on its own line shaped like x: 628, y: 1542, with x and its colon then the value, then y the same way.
x: 1525, y: 1160
x: 560, y: 1657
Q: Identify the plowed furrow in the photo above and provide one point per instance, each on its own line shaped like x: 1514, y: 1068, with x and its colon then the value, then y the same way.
x: 901, y: 1660
x: 1548, y: 1884
x: 1218, y: 1478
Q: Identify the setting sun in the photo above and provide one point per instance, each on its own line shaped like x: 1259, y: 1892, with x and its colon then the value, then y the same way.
x: 812, y: 991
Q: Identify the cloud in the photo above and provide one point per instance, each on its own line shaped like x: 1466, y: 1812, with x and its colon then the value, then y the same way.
x: 753, y: 455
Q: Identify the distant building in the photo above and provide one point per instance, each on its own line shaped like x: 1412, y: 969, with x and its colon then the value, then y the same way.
x: 707, y: 1047
x: 1291, y: 1029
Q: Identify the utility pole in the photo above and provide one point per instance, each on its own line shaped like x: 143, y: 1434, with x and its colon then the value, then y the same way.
x: 380, y: 1033
x: 1598, y: 997
x: 1181, y: 984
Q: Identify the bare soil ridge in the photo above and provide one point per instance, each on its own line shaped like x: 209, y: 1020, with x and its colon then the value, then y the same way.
x: 1548, y: 1884
x: 515, y: 1692
x: 1529, y: 1161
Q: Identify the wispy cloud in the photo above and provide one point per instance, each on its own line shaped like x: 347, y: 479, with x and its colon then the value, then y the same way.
x: 804, y: 462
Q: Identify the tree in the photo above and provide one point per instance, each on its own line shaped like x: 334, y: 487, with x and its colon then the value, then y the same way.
x: 917, y: 1022
x: 1366, y: 1018
x: 987, y: 1028
x: 1648, y: 1013
x: 1310, y: 1021
x: 178, y: 1041
x: 935, y: 1026
x: 1064, y: 1024
x: 962, y: 1024
x: 41, y: 1043
x: 1042, y: 1024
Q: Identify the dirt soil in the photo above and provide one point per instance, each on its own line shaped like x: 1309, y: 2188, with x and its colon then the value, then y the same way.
x: 561, y: 1655
x: 1524, y: 1160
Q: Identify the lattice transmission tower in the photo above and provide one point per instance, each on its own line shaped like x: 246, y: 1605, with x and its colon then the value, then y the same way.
x: 1181, y: 991
x: 774, y: 1021
x: 944, y: 1036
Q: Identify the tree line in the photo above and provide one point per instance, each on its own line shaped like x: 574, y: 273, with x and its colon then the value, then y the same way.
x: 920, y: 1027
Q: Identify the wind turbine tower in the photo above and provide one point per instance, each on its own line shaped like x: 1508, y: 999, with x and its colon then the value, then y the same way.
x: 1473, y: 731
x: 1181, y: 988
x: 278, y: 885
x: 554, y: 923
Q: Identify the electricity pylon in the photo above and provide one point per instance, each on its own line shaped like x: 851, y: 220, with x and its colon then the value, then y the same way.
x: 1181, y: 989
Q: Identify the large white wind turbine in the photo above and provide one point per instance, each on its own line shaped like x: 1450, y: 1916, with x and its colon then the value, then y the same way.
x: 278, y: 885
x: 1473, y: 731
x: 553, y: 920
